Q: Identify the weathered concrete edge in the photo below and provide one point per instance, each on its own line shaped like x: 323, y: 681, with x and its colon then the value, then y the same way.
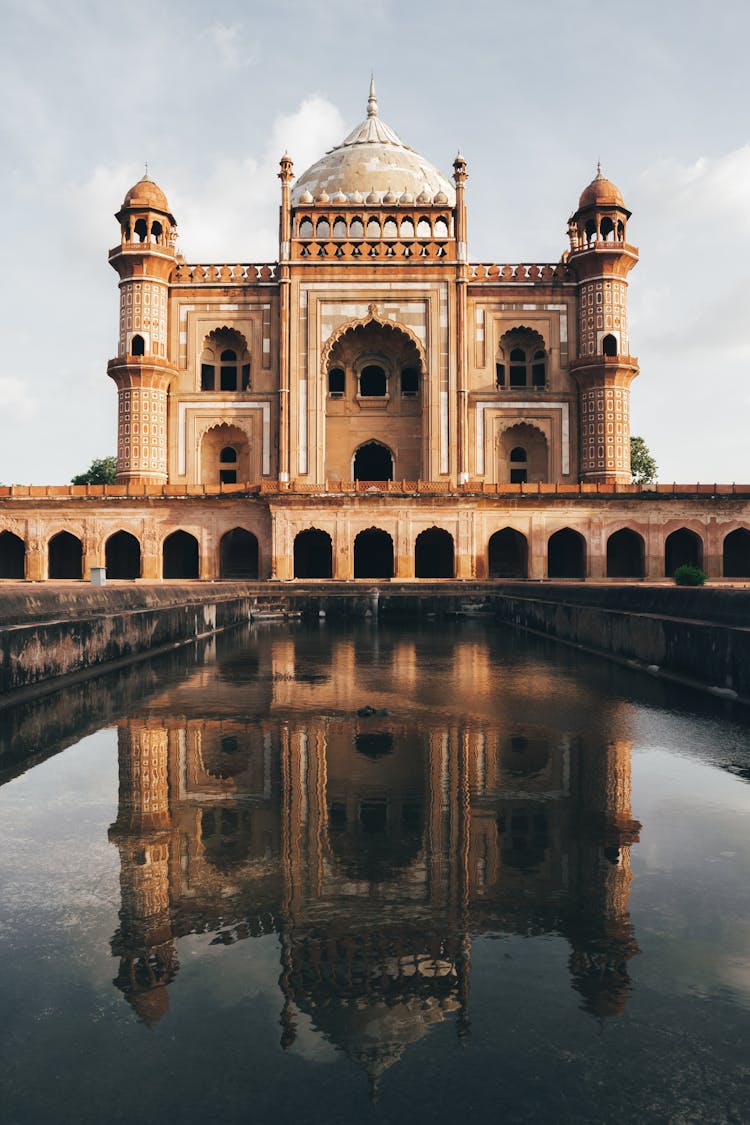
x: 703, y: 655
x: 42, y: 657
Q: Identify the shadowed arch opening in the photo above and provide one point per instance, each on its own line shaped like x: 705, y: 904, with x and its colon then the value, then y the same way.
x: 682, y: 548
x: 566, y: 554
x: 373, y: 554
x: 433, y: 554
x: 736, y: 554
x: 313, y: 554
x: 122, y: 556
x: 373, y: 461
x: 508, y: 554
x: 180, y: 555
x: 12, y: 555
x: 65, y: 556
x: 625, y: 554
x: 238, y: 554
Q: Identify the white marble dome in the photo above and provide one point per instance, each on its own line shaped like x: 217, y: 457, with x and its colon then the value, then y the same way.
x: 372, y: 161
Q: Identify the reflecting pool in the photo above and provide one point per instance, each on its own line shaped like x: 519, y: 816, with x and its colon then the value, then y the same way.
x: 374, y: 873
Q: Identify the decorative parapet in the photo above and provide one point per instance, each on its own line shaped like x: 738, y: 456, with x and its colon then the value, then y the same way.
x: 141, y: 489
x: 188, y: 273
x: 522, y: 273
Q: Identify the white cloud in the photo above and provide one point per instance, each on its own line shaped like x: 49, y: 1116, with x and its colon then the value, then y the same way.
x: 232, y: 214
x: 233, y: 51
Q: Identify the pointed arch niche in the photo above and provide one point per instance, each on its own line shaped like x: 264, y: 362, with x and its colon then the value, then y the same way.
x: 373, y: 373
x: 522, y: 454
x: 225, y: 455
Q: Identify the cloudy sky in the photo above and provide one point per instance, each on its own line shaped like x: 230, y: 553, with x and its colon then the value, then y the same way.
x: 533, y: 94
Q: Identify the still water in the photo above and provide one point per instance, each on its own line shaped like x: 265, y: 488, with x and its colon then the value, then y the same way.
x: 436, y: 873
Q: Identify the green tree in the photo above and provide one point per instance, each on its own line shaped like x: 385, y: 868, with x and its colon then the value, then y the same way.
x: 643, y: 467
x: 102, y: 470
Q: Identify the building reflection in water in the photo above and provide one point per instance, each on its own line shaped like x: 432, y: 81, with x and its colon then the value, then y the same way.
x: 374, y: 847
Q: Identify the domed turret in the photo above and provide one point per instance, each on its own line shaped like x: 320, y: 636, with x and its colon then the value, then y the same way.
x: 368, y: 162
x: 601, y: 192
x: 146, y: 193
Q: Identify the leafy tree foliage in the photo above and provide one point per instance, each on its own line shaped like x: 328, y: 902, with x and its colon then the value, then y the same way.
x: 643, y: 467
x: 102, y: 470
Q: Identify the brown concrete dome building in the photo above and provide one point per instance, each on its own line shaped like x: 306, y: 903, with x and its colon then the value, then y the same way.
x: 374, y: 404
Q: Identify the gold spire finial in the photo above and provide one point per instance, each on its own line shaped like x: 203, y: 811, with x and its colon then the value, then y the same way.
x: 372, y: 101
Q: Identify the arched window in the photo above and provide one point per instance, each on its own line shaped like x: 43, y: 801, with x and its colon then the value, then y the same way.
x: 336, y: 381
x: 356, y: 228
x: 339, y: 227
x: 228, y: 465
x: 607, y: 229
x: 373, y: 228
x: 609, y: 345
x: 305, y: 228
x: 140, y: 230
x: 322, y: 230
x: 225, y: 360
x: 390, y: 230
x: 372, y: 381
x: 407, y: 229
x: 522, y: 359
x: 424, y: 230
x: 156, y: 230
x: 137, y: 345
x: 374, y: 462
x: 519, y: 471
x: 441, y: 228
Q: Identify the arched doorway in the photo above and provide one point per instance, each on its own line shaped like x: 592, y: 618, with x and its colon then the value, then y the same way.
x: 522, y: 455
x: 238, y: 554
x: 12, y: 555
x: 736, y: 554
x: 625, y: 554
x: 313, y: 554
x: 122, y: 556
x: 433, y: 554
x: 180, y: 555
x: 682, y: 548
x: 65, y: 556
x: 225, y: 456
x: 373, y: 461
x: 566, y: 554
x: 373, y: 554
x: 508, y: 554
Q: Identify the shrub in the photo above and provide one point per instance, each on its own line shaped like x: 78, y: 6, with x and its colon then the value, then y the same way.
x: 689, y: 576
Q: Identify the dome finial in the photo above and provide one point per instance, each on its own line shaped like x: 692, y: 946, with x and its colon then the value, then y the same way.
x: 372, y: 101
x: 599, y: 175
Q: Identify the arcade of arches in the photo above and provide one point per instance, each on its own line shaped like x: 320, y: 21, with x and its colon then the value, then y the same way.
x: 324, y: 541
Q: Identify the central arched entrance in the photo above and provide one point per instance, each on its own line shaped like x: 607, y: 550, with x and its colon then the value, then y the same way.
x: 65, y: 556
x: 682, y: 548
x: 508, y: 554
x: 180, y: 555
x: 566, y: 554
x: 373, y: 554
x: 373, y: 461
x: 122, y: 556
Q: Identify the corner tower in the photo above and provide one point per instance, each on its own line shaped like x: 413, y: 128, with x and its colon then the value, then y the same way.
x: 144, y: 261
x: 600, y: 259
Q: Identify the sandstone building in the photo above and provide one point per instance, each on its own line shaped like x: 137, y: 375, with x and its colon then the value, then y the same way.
x: 373, y: 404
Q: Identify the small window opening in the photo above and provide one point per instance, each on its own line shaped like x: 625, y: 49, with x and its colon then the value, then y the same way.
x: 356, y: 228
x: 156, y: 230
x: 372, y: 382
x: 208, y: 376
x: 336, y: 381
x: 138, y: 346
x: 228, y: 476
x: 246, y: 376
x: 339, y: 228
x: 441, y: 228
x: 390, y: 230
x: 519, y: 471
x: 539, y: 369
x: 410, y: 382
x: 323, y: 229
x: 407, y: 228
x: 141, y: 230
x: 228, y: 455
x: 305, y: 228
x: 424, y: 230
x: 373, y: 228
x: 228, y: 370
x: 500, y: 374
x: 609, y: 345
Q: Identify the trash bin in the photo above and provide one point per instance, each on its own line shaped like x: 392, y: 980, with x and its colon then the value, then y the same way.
x: 98, y: 576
